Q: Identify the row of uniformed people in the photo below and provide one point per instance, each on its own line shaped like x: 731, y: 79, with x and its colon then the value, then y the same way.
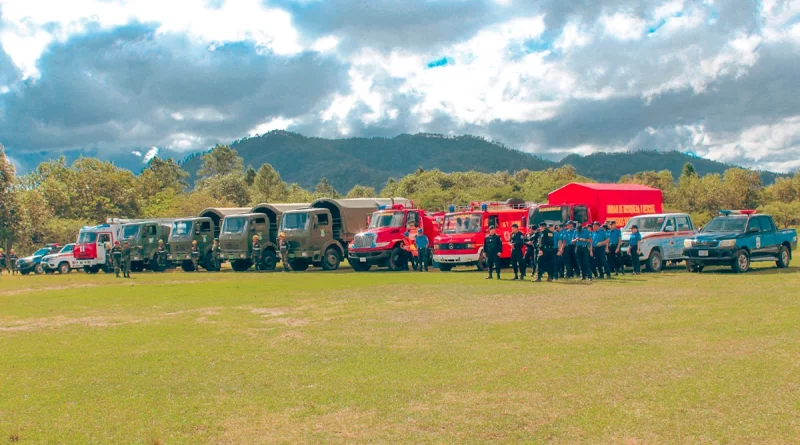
x: 572, y: 252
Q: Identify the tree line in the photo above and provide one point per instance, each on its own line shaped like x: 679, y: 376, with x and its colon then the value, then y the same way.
x: 52, y: 202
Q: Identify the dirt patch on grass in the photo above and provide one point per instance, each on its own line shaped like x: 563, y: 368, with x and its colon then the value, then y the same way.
x: 27, y: 290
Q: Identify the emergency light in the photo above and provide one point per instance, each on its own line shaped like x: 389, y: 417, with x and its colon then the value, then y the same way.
x: 382, y: 207
x: 452, y: 209
x: 484, y: 207
x: 736, y: 212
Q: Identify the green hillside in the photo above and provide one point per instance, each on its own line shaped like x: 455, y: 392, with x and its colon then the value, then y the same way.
x: 372, y: 161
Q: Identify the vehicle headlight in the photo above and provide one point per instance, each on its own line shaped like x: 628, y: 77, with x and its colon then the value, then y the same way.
x: 687, y: 243
x: 727, y: 243
x: 242, y: 256
x: 379, y: 245
x: 305, y: 254
x: 353, y: 245
x: 470, y: 245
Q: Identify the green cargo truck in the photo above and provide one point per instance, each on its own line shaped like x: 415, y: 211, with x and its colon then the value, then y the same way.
x: 319, y: 235
x: 143, y: 237
x: 203, y: 229
x: 237, y: 234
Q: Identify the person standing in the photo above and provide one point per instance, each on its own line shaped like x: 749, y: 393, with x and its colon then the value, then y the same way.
x: 547, y: 249
x: 12, y: 261
x: 116, y: 257
x: 161, y: 252
x: 492, y: 246
x: 126, y: 260
x: 614, y: 242
x: 600, y: 249
x: 109, y: 266
x: 633, y: 250
x: 570, y: 259
x: 195, y: 256
x: 517, y: 241
x: 283, y: 248
x: 558, y: 255
x: 216, y: 254
x: 407, y: 249
x: 2, y: 260
x: 583, y: 249
x: 531, y: 243
x: 255, y: 254
x: 421, y: 241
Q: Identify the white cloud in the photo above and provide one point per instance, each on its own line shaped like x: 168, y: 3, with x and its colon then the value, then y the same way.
x: 623, y: 25
x: 325, y: 44
x: 153, y: 152
x: 572, y: 36
x: 278, y: 123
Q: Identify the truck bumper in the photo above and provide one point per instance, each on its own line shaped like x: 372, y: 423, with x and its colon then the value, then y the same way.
x: 464, y: 258
x: 371, y: 257
x: 85, y: 263
x: 233, y: 256
x: 309, y: 255
x: 180, y: 257
x: 709, y: 257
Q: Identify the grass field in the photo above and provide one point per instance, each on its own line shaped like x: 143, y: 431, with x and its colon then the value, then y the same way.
x: 400, y: 357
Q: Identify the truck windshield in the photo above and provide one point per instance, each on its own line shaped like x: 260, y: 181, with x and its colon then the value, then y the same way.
x: 549, y: 214
x: 387, y: 219
x: 234, y: 225
x: 181, y: 228
x: 42, y: 252
x: 645, y: 223
x: 735, y: 224
x: 294, y: 221
x: 67, y: 248
x: 130, y: 232
x: 87, y: 237
x: 463, y: 223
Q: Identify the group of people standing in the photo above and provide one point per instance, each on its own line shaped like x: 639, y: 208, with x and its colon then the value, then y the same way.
x: 569, y: 252
x: 416, y: 245
x: 8, y: 262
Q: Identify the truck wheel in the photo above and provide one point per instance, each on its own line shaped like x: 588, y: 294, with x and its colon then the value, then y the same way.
x: 298, y: 265
x: 784, y: 258
x: 241, y: 265
x: 137, y: 266
x: 359, y: 266
x: 64, y: 268
x: 482, y: 262
x: 187, y: 266
x: 24, y: 272
x: 693, y: 268
x: 38, y: 269
x: 655, y: 263
x: 268, y: 260
x: 397, y: 260
x: 445, y: 267
x: 331, y: 260
x: 741, y: 262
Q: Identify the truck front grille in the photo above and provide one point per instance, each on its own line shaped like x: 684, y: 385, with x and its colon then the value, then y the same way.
x: 705, y: 244
x: 363, y: 240
x: 452, y: 246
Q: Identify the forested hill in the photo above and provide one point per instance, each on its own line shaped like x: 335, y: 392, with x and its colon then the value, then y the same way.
x: 372, y: 161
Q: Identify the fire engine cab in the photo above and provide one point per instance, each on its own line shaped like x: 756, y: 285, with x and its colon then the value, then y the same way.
x: 464, y: 229
x: 90, y: 249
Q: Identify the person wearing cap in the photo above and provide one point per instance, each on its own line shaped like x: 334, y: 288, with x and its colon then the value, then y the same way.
x: 492, y: 247
x: 614, y: 238
x: 408, y: 248
x: 116, y: 255
x: 570, y: 259
x: 582, y: 239
x: 633, y: 249
x: 216, y: 255
x: 547, y: 248
x: 255, y: 255
x: 283, y: 249
x: 12, y: 261
x: 161, y: 251
x: 558, y: 263
x: 517, y: 242
x: 126, y: 259
x: 600, y: 250
x: 422, y: 242
x: 2, y: 260
x: 531, y: 246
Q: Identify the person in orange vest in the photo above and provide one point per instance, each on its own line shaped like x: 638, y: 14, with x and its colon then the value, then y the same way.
x: 410, y: 249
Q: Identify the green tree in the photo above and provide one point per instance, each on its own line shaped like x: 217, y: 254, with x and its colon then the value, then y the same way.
x: 360, y: 191
x: 325, y: 190
x: 221, y: 160
x: 7, y: 199
x: 298, y: 194
x: 689, y: 170
x: 268, y: 186
x: 229, y: 187
x: 784, y: 214
x: 166, y: 173
x: 249, y: 176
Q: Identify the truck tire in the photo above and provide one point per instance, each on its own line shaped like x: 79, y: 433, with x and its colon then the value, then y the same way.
x: 359, y: 266
x: 24, y: 272
x: 187, y: 266
x: 268, y: 260
x: 64, y: 268
x: 693, y: 268
x: 397, y: 260
x: 138, y: 266
x: 38, y: 269
x: 299, y: 265
x: 784, y: 258
x: 482, y: 262
x: 655, y: 263
x: 445, y: 267
x: 332, y: 259
x: 241, y: 265
x: 741, y: 262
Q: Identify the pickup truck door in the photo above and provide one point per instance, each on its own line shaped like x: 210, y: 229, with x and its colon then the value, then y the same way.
x: 102, y: 239
x: 769, y: 238
x: 754, y: 239
x: 684, y: 230
x: 668, y: 243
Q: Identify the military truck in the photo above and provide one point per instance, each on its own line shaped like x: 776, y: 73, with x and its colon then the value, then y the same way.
x: 217, y: 214
x: 186, y: 230
x: 320, y: 235
x: 143, y: 237
x: 237, y: 233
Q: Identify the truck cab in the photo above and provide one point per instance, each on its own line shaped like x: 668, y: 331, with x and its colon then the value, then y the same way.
x: 559, y: 214
x: 184, y: 231
x: 236, y: 241
x: 90, y: 248
x: 143, y: 237
x: 663, y: 236
x: 309, y: 234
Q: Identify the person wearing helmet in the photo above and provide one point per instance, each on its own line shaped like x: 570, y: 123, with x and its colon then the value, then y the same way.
x: 195, y: 255
x: 255, y: 256
x: 12, y: 261
x: 216, y: 255
x: 109, y: 266
x: 283, y: 247
x: 161, y: 252
x: 116, y: 256
x: 126, y: 259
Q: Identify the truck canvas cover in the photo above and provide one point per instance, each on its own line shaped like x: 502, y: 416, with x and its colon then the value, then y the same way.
x: 350, y: 215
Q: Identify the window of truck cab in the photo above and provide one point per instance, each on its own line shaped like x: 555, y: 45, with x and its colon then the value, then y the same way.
x: 462, y: 223
x: 766, y: 223
x: 549, y: 214
x: 67, y: 249
x: 683, y: 224
x: 234, y: 225
x: 387, y: 219
x: 87, y: 238
x: 645, y: 223
x: 294, y: 221
x: 726, y: 224
x: 322, y: 219
x: 129, y: 232
x: 182, y: 228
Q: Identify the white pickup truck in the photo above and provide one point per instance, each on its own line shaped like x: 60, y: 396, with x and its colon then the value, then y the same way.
x: 662, y: 239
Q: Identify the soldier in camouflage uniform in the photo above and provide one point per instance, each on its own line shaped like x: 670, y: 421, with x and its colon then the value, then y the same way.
x: 116, y: 255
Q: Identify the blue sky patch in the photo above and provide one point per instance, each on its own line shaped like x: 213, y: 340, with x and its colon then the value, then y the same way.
x: 444, y: 61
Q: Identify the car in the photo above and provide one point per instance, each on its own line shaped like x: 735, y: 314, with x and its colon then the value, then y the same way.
x: 738, y: 238
x: 663, y: 236
x: 62, y: 262
x: 33, y: 263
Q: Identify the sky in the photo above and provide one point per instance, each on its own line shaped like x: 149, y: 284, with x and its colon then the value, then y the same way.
x: 718, y: 79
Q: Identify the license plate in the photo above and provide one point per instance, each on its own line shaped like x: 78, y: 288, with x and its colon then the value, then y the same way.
x: 363, y: 260
x: 702, y: 253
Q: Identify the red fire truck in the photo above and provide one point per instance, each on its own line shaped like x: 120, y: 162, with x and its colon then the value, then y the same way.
x: 585, y: 203
x: 461, y: 241
x: 381, y: 244
x: 90, y: 251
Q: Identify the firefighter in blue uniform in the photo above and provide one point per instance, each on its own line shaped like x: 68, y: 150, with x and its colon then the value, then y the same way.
x: 492, y: 247
x: 517, y: 242
x: 600, y: 250
x: 570, y: 259
x: 614, y: 241
x: 582, y: 240
x: 558, y: 258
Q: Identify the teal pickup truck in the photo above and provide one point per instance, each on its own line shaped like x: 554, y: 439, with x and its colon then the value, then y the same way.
x: 737, y: 239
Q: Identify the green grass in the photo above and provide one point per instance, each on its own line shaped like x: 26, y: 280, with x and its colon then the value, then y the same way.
x: 400, y: 357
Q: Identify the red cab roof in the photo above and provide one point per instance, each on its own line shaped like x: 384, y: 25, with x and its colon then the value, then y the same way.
x: 609, y: 187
